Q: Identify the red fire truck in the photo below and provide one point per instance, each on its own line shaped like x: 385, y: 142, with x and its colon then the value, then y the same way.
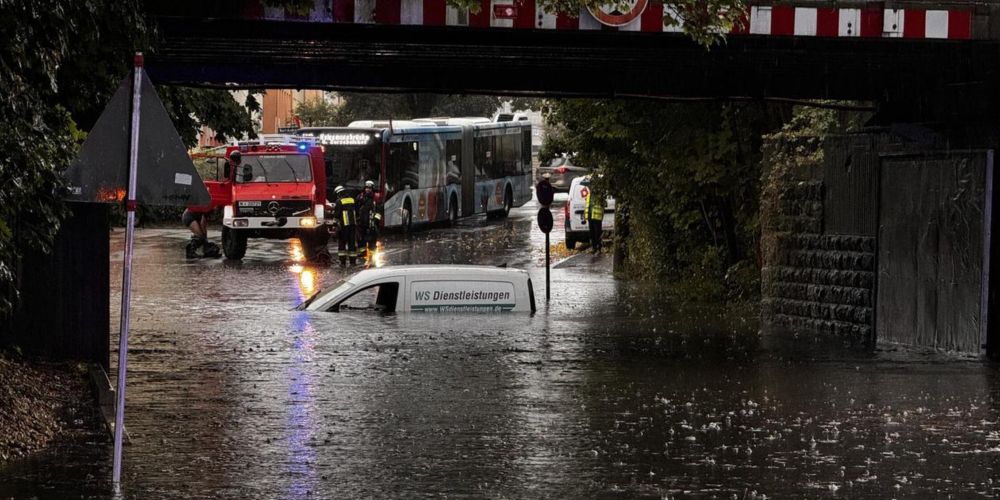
x: 278, y: 191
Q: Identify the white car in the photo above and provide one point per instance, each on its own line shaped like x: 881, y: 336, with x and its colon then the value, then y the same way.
x: 434, y: 288
x: 577, y: 230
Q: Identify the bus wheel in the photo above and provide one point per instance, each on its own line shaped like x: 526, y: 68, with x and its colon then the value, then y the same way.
x: 407, y: 216
x: 453, y: 211
x: 508, y: 202
x: 234, y: 243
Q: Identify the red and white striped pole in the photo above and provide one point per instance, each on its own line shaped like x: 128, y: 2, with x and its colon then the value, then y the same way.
x: 130, y: 205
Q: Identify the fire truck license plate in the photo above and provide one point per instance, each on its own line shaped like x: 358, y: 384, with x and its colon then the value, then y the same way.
x: 249, y: 203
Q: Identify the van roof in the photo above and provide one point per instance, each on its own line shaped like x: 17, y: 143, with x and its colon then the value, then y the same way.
x: 437, y: 270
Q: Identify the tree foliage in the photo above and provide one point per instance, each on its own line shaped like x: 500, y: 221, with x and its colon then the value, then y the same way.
x: 191, y: 108
x: 688, y: 173
x: 317, y: 113
x: 42, y: 39
x: 60, y: 63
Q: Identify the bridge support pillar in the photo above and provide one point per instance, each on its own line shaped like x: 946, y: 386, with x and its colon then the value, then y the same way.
x: 65, y: 295
x: 892, y: 237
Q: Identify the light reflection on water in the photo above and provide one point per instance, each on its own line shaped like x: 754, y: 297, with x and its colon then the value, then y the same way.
x: 301, y: 423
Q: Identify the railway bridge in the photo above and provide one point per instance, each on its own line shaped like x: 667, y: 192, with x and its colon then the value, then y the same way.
x: 917, y: 58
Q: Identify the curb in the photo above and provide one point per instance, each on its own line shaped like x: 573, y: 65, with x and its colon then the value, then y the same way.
x: 106, y: 400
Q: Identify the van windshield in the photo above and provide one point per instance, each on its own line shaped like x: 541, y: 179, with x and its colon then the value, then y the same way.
x: 321, y: 295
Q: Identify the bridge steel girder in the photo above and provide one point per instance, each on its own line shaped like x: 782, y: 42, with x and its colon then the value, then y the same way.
x: 278, y: 54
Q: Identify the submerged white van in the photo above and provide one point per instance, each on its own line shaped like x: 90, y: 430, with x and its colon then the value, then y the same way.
x: 433, y: 288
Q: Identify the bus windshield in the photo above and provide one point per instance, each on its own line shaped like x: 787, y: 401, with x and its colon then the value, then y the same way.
x: 353, y: 165
x: 274, y: 168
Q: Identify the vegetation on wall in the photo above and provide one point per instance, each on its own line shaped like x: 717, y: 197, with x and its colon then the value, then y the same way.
x: 688, y: 174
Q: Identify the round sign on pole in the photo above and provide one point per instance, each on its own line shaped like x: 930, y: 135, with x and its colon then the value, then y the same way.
x: 544, y: 192
x: 545, y: 221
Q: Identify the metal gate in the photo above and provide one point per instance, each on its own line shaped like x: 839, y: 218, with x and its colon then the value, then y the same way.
x: 930, y: 251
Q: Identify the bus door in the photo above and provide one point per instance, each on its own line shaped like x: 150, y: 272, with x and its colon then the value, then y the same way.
x: 468, y: 173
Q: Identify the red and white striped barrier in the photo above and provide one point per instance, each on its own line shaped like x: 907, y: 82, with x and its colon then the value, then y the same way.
x: 525, y: 14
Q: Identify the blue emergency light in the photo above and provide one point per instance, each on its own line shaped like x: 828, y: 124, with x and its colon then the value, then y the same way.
x: 303, y: 146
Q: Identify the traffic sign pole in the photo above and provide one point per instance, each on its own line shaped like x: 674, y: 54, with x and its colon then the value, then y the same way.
x: 130, y: 205
x: 547, y: 283
x: 545, y: 193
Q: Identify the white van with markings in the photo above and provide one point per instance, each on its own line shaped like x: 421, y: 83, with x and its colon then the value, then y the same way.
x: 434, y: 288
x: 577, y: 228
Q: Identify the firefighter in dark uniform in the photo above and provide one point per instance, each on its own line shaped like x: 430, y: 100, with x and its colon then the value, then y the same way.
x: 368, y: 220
x: 345, y: 213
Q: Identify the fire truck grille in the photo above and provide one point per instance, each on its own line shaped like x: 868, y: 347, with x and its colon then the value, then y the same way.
x: 271, y: 208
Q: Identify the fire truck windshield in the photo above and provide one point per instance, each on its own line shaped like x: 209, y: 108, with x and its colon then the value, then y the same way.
x: 274, y: 168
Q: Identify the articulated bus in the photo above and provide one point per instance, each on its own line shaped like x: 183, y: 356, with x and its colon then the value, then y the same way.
x: 434, y: 169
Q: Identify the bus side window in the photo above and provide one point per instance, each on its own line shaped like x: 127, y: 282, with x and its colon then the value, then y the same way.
x: 492, y: 167
x: 511, y: 155
x: 453, y: 161
x: 480, y: 159
x: 526, y: 151
x: 404, y: 166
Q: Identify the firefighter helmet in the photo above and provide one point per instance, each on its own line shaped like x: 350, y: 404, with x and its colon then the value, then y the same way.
x: 370, y: 184
x: 338, y: 190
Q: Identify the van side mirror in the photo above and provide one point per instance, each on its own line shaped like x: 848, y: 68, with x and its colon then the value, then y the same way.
x: 328, y: 168
x: 226, y: 171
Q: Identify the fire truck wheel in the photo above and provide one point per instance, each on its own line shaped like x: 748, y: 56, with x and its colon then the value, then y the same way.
x: 234, y: 244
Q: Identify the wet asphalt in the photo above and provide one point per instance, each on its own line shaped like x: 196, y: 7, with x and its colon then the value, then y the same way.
x: 613, y: 389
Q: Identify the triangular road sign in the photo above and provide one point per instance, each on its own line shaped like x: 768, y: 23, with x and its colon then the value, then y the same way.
x: 165, y: 175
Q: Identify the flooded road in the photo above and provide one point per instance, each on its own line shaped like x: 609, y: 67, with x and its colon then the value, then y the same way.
x: 611, y: 390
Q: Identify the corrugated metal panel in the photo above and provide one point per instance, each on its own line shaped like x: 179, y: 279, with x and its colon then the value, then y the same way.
x: 930, y: 251
x: 851, y: 183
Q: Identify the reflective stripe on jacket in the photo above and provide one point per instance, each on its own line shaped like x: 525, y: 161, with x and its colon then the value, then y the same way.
x: 346, y: 215
x: 593, y: 211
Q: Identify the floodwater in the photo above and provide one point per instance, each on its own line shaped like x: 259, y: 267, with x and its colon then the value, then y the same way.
x: 611, y: 390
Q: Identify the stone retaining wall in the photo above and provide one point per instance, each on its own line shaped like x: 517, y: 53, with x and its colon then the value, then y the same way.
x: 814, y: 281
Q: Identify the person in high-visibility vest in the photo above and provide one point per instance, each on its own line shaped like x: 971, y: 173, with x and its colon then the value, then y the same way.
x: 593, y: 211
x: 346, y: 216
